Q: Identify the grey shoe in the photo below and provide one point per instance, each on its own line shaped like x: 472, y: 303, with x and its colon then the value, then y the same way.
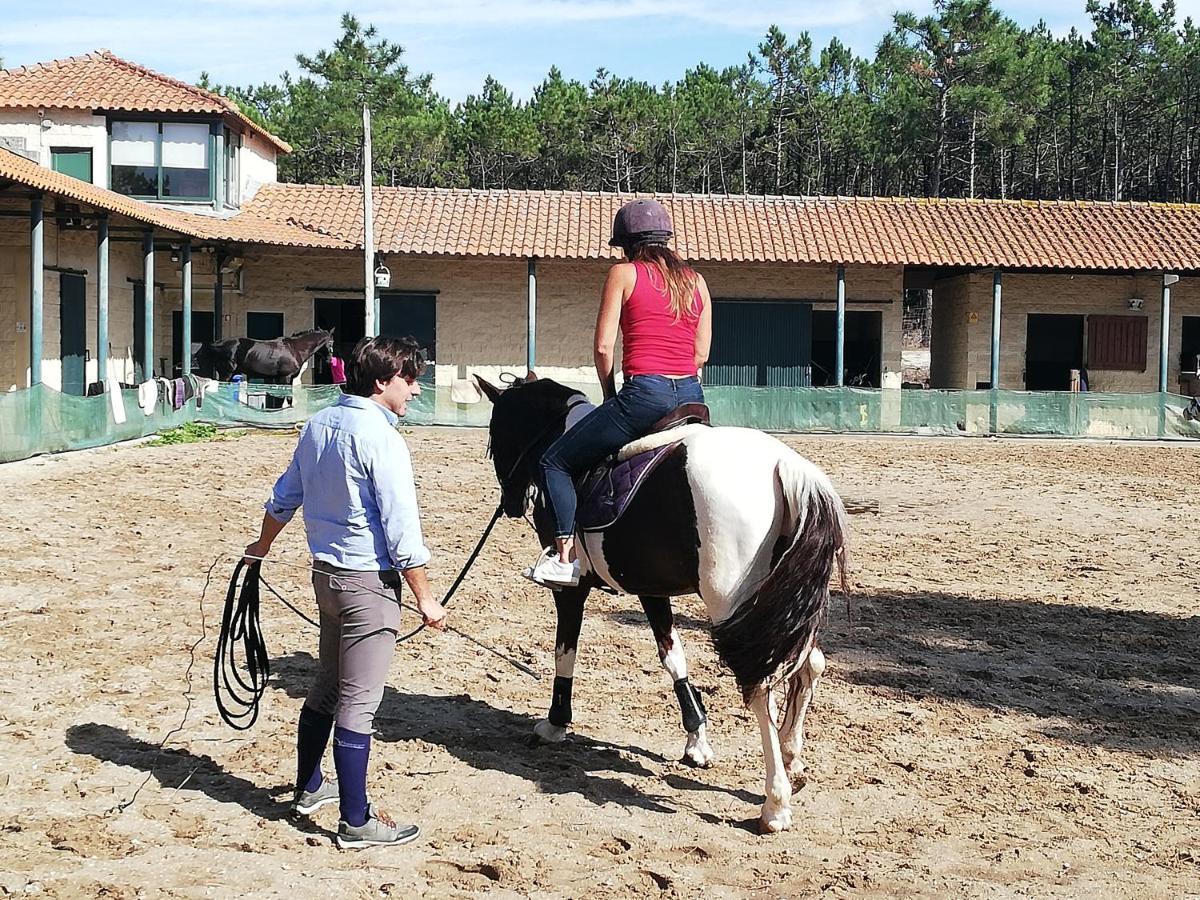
x: 308, y: 802
x: 377, y: 831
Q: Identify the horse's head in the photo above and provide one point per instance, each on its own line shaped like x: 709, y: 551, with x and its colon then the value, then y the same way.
x: 527, y: 417
x: 1192, y: 413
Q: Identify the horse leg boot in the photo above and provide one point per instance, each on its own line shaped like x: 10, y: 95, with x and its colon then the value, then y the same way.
x: 777, y: 807
x: 802, y: 686
x: 568, y: 603
x: 697, y: 750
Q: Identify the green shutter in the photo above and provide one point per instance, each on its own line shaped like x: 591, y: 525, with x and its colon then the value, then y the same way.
x: 76, y: 163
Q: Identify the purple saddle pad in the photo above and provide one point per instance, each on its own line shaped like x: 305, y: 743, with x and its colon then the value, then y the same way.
x: 605, y: 492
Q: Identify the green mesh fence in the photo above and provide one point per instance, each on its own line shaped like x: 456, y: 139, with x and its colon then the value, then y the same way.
x: 41, y: 420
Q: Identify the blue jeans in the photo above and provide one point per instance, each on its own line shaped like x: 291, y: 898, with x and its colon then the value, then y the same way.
x: 642, y: 401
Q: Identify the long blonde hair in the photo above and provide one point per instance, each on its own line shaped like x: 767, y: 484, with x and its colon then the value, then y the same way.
x: 679, y: 279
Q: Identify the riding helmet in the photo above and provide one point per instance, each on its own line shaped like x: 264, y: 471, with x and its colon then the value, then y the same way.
x: 641, y: 222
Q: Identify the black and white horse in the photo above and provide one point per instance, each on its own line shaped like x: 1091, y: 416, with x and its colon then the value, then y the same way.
x: 731, y: 514
x: 278, y: 361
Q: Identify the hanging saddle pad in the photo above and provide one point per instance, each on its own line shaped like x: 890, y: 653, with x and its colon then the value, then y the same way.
x: 606, y: 491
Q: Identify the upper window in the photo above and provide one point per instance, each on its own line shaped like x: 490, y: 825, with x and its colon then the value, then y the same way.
x: 162, y: 160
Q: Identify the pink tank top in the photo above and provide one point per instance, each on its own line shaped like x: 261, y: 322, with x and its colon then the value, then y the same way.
x: 653, y: 342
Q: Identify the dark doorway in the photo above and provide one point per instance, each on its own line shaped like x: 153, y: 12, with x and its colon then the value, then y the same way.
x: 410, y: 314
x: 264, y: 326
x: 139, y: 333
x: 72, y: 332
x: 863, y: 349
x: 1053, y: 347
x: 203, y: 324
x: 760, y: 343
x: 348, y: 321
x: 1189, y: 348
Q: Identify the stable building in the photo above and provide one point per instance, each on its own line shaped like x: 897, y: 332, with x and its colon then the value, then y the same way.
x: 127, y: 238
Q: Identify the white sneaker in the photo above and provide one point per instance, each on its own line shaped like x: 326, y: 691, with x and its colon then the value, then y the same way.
x: 550, y: 571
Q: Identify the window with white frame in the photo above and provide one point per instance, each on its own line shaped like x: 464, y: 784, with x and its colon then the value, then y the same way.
x: 161, y: 160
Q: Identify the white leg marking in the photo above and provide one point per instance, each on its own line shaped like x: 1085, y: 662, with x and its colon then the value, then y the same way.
x: 675, y: 660
x: 564, y: 663
x: 697, y: 749
x: 777, y: 809
x: 792, y: 735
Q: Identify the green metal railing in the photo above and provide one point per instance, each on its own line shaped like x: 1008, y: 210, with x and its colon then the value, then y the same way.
x: 41, y: 420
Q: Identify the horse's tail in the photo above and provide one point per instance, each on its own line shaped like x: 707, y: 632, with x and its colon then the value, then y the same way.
x: 772, y: 630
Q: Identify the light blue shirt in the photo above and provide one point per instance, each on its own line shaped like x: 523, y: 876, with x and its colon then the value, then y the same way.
x: 352, y: 474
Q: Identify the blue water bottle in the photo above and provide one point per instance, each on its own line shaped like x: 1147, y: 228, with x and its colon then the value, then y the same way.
x: 235, y: 387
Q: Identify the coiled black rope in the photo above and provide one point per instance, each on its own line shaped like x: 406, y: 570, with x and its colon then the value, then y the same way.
x: 237, y: 694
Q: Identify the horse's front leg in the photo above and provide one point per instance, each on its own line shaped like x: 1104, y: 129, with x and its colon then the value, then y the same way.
x: 568, y: 603
x: 777, y: 807
x: 697, y: 750
x: 800, y: 693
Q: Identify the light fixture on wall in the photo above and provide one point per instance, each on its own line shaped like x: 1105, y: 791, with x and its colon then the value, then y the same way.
x: 1136, y: 302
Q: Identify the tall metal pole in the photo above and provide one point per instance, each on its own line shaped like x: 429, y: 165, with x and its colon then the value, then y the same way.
x: 185, y: 256
x: 996, y: 293
x: 371, y: 299
x: 37, y: 276
x: 531, y: 318
x: 1164, y: 339
x: 102, y: 299
x: 148, y: 305
x: 840, y: 351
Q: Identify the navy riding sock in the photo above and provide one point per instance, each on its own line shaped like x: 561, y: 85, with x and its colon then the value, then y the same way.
x: 350, y: 753
x: 312, y: 735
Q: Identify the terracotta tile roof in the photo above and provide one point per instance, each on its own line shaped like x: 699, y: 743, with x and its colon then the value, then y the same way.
x: 575, y: 225
x: 239, y: 229
x: 874, y: 231
x: 103, y: 81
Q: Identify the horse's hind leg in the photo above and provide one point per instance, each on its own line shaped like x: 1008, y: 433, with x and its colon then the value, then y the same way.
x: 697, y: 750
x: 777, y: 807
x: 568, y: 603
x: 802, y: 686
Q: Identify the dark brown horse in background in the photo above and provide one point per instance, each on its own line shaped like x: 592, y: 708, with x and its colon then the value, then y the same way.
x: 277, y: 361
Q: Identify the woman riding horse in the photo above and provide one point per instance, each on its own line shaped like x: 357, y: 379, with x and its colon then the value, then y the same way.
x: 664, y: 313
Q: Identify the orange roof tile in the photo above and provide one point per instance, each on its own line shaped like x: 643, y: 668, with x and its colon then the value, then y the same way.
x: 718, y: 228
x: 102, y: 81
x: 1077, y: 235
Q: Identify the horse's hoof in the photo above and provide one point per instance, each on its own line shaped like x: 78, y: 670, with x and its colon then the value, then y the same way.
x: 781, y: 820
x: 546, y: 732
x: 698, y: 752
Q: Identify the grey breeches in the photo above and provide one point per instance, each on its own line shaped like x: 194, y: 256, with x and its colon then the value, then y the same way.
x: 358, y: 636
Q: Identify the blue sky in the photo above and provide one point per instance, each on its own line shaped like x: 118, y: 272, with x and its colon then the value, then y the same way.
x: 462, y: 41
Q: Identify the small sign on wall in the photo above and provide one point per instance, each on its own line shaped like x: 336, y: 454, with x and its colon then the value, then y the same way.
x: 20, y: 328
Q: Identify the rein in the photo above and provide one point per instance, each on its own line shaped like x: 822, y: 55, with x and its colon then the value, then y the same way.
x: 239, y: 705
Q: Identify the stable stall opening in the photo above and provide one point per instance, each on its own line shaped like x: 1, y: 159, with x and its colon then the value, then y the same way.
x: 1189, y: 348
x: 863, y: 348
x: 1053, y: 347
x: 72, y: 332
x: 348, y: 321
x: 203, y: 331
x: 415, y: 315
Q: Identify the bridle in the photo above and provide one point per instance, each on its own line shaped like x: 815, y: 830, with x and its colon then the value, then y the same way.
x: 558, y: 420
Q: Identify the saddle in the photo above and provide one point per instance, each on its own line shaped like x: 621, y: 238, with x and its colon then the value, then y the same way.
x: 606, y: 491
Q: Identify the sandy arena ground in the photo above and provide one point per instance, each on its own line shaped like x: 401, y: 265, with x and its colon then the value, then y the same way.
x: 1012, y: 706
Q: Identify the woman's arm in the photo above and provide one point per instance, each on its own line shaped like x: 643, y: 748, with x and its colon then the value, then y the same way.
x: 617, y: 286
x: 704, y: 326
